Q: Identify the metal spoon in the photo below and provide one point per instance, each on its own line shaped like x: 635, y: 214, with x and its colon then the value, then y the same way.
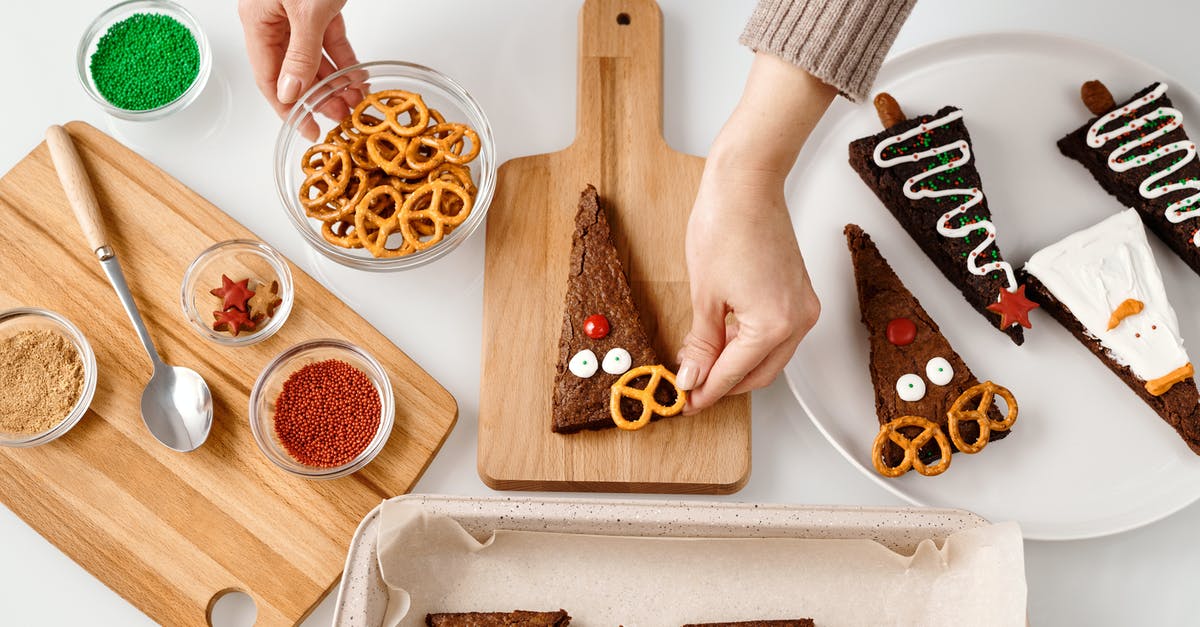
x: 176, y: 404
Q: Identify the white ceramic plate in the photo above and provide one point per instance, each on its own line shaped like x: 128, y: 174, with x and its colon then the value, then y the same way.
x: 1087, y: 457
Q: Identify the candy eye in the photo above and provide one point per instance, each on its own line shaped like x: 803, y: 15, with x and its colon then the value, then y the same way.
x: 939, y: 371
x: 910, y: 387
x: 583, y: 364
x: 616, y: 361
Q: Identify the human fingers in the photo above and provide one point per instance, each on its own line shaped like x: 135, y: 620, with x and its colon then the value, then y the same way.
x: 765, y: 373
x: 739, y: 357
x: 265, y: 29
x: 702, y: 344
x: 303, y: 57
x: 337, y: 46
x: 333, y: 107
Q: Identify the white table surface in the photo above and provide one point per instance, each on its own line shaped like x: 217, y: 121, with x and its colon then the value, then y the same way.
x: 518, y: 59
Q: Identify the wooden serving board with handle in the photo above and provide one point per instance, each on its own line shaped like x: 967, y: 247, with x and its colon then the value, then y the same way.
x: 171, y: 531
x: 648, y: 190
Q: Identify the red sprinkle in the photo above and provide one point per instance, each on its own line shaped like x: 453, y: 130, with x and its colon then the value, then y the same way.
x: 327, y: 413
x: 596, y: 326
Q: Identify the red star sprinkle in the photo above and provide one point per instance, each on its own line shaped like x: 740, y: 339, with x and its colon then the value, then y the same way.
x: 234, y: 294
x: 1013, y: 308
x: 232, y: 321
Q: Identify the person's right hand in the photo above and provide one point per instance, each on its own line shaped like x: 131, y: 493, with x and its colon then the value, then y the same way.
x: 287, y: 42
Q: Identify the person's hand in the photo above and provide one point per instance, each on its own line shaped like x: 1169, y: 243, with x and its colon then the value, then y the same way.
x: 742, y: 260
x: 752, y: 300
x: 292, y: 44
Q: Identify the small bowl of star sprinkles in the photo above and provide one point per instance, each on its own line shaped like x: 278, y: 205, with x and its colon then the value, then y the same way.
x: 237, y: 292
x: 144, y: 59
x: 322, y: 409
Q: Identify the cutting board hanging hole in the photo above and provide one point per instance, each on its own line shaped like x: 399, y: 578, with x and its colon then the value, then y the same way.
x: 229, y: 607
x: 623, y: 19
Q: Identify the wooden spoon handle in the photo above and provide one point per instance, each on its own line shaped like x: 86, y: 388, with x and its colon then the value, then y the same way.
x: 75, y: 182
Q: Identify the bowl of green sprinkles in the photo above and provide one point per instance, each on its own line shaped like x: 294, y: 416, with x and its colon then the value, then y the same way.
x: 144, y: 59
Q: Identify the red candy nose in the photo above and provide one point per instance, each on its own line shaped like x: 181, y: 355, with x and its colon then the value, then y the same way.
x: 901, y: 331
x: 596, y: 326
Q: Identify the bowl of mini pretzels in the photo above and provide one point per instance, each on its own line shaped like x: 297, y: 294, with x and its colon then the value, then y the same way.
x: 386, y: 166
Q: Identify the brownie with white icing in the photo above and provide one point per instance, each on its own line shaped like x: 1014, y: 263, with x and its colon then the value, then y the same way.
x: 589, y: 362
x: 1139, y: 152
x: 1103, y: 285
x: 923, y: 170
x: 914, y: 369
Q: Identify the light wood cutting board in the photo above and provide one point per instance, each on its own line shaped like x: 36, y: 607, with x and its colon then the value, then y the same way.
x: 169, y: 531
x: 648, y: 190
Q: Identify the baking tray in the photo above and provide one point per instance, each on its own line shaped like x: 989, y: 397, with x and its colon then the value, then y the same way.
x: 362, y: 595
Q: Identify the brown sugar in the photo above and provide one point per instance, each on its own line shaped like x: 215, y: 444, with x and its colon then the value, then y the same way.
x: 41, y: 378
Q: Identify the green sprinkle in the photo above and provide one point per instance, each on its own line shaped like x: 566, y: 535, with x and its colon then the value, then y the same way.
x: 145, y: 61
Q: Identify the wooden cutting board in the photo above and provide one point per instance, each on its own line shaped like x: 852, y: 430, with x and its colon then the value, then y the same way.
x: 648, y: 190
x: 169, y: 531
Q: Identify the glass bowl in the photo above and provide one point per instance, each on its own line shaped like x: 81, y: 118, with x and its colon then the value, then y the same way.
x: 270, y: 383
x: 238, y: 259
x: 120, y: 11
x: 30, y: 318
x: 439, y: 92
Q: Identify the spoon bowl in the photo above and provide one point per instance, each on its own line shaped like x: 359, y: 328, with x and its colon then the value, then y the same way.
x: 177, y: 407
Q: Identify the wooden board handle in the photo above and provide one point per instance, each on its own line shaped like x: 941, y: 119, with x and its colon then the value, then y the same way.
x: 77, y: 185
x: 620, y: 71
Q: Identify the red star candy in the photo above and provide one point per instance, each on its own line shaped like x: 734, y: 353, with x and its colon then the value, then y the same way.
x: 232, y: 321
x: 234, y: 294
x: 1013, y: 308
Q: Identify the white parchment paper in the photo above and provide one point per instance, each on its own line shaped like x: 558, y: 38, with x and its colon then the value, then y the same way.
x: 431, y: 564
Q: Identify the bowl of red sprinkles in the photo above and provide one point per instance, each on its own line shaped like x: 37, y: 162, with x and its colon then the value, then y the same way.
x: 322, y: 409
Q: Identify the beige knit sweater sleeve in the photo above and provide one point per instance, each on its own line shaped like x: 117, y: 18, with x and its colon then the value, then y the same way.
x: 841, y: 42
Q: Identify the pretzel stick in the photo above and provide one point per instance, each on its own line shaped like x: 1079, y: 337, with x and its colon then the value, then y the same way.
x: 888, y: 109
x: 1097, y: 98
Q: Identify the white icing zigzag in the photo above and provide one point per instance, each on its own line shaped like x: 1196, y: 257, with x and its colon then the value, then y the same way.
x: 945, y: 226
x: 1177, y: 211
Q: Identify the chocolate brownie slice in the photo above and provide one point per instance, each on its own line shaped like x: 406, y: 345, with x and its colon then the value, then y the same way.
x: 1084, y: 282
x: 904, y: 341
x: 954, y: 255
x: 1126, y: 185
x: 597, y: 285
x: 517, y: 618
x: 786, y: 622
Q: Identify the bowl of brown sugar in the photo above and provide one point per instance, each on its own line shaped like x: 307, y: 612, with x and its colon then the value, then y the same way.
x: 47, y: 376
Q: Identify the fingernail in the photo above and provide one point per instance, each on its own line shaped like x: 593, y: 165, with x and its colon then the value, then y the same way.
x: 688, y: 373
x: 288, y: 89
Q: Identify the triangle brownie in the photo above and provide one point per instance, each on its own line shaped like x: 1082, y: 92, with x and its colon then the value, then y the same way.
x: 1103, y: 285
x: 924, y: 172
x: 1139, y: 152
x: 602, y: 334
x: 914, y: 369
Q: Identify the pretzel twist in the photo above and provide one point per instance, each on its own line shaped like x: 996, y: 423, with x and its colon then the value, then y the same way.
x: 890, y: 432
x: 623, y: 388
x: 985, y: 392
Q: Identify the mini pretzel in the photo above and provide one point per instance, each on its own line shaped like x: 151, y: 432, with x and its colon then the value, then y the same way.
x: 457, y: 143
x: 341, y: 233
x: 623, y: 389
x: 442, y: 203
x: 454, y: 173
x: 889, y: 111
x: 387, y: 151
x: 343, y: 206
x: 329, y: 177
x: 376, y: 220
x: 392, y: 103
x: 979, y: 415
x: 1097, y: 98
x: 890, y: 432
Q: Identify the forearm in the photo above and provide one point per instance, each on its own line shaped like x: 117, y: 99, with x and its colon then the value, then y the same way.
x: 780, y: 105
